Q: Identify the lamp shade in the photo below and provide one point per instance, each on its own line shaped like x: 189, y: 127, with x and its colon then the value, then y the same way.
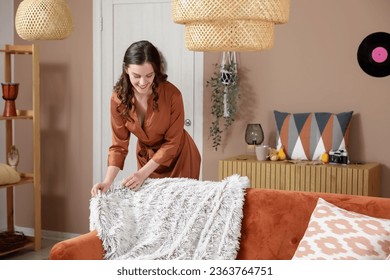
x: 229, y: 35
x: 184, y: 11
x: 254, y: 134
x: 43, y: 20
x: 226, y: 25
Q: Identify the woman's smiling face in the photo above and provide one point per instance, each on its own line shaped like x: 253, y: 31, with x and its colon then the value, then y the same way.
x: 141, y: 77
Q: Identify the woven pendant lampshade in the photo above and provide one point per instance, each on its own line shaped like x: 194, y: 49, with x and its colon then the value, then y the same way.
x: 43, y: 20
x: 229, y: 35
x: 226, y: 25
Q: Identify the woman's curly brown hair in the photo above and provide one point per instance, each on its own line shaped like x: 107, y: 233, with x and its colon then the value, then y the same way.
x: 138, y: 53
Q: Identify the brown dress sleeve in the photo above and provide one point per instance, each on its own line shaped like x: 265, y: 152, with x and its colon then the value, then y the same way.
x: 120, y: 136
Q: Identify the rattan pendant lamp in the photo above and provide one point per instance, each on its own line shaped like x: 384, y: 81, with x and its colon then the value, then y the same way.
x: 226, y: 25
x: 43, y: 20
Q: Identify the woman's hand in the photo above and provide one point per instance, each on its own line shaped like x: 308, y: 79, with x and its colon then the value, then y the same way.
x: 134, y: 181
x: 112, y: 171
x: 100, y: 187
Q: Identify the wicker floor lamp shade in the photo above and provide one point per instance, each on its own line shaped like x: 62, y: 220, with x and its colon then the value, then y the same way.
x: 226, y: 25
x: 43, y: 20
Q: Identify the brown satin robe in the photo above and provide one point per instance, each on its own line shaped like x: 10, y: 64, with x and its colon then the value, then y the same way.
x: 162, y: 137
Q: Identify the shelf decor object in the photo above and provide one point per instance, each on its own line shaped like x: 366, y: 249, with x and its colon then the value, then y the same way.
x: 10, y: 241
x: 43, y: 20
x: 10, y: 93
x: 13, y: 157
x: 225, y: 25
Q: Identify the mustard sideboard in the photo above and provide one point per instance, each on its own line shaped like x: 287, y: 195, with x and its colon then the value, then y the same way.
x: 356, y: 179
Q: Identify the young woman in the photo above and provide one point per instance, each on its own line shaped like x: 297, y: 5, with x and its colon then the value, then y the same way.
x: 145, y: 104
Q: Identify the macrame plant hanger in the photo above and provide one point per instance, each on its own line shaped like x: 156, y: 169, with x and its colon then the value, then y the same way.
x: 228, y: 72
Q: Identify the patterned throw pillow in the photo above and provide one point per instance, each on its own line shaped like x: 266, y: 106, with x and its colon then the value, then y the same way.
x: 335, y: 233
x: 306, y: 136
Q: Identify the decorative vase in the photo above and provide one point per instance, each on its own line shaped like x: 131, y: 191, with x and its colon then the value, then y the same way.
x: 10, y: 93
x: 13, y: 157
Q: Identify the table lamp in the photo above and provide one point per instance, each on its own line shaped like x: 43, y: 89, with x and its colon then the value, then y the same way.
x: 254, y: 134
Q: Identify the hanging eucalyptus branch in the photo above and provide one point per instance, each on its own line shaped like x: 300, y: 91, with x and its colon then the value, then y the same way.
x: 224, y: 95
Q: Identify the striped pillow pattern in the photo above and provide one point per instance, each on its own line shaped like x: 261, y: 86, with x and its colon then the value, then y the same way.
x: 306, y: 136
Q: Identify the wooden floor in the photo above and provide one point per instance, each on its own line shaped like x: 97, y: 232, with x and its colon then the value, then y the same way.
x: 42, y: 254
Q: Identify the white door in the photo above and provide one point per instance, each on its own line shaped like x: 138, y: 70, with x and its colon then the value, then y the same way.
x: 119, y: 23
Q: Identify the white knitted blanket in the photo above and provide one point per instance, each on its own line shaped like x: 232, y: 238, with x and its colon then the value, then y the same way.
x: 171, y: 218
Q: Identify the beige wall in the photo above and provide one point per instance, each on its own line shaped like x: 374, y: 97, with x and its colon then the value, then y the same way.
x: 66, y: 122
x: 312, y: 67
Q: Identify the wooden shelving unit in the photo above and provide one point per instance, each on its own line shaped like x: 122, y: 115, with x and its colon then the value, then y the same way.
x: 33, y: 115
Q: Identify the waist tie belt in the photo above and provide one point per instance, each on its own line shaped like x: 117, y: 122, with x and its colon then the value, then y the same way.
x: 148, y: 151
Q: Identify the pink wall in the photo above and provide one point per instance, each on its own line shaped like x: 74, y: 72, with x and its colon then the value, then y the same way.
x: 312, y: 67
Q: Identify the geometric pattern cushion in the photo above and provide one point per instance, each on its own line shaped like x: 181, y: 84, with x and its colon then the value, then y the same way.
x: 306, y: 136
x: 334, y: 233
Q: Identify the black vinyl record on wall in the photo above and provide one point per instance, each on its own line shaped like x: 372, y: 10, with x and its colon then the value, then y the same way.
x: 374, y: 54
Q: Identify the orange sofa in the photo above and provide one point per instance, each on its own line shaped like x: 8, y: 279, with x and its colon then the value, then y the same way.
x: 273, y: 224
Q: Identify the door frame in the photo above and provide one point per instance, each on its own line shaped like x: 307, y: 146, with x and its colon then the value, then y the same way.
x: 98, y: 155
